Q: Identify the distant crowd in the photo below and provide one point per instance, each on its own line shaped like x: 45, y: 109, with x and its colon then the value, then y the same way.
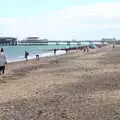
x: 85, y: 49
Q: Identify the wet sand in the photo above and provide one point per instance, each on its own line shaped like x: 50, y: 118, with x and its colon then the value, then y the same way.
x: 75, y: 86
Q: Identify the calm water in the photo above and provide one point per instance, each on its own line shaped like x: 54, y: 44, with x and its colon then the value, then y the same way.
x: 16, y: 53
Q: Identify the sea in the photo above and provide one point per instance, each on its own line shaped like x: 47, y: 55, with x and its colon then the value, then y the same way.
x: 16, y: 53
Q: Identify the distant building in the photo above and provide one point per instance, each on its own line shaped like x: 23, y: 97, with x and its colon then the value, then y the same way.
x: 8, y: 41
x: 34, y: 40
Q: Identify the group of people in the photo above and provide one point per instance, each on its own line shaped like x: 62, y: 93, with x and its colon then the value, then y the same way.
x: 3, y: 60
x: 27, y: 54
x: 85, y: 49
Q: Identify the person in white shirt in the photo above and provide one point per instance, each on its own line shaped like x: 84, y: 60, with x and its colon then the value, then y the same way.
x: 3, y: 61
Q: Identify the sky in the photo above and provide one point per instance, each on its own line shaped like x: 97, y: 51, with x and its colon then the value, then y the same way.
x: 60, y: 19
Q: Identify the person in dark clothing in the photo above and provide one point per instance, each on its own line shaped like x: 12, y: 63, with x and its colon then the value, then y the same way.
x: 26, y: 55
x: 84, y: 49
x: 55, y: 51
x: 66, y: 50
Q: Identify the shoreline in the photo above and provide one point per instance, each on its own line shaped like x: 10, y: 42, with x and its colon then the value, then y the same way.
x: 42, y: 55
x: 33, y: 64
x: 71, y: 51
x: 59, y: 51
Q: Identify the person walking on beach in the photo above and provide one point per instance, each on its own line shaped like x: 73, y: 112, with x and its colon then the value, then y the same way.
x: 66, y: 50
x: 37, y: 57
x: 3, y: 61
x: 87, y: 49
x: 84, y: 49
x: 113, y: 45
x: 55, y: 51
x: 26, y: 55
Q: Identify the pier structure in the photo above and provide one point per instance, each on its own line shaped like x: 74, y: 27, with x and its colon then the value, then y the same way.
x: 68, y: 42
x: 37, y: 41
x: 8, y: 41
x: 11, y: 41
x: 57, y: 42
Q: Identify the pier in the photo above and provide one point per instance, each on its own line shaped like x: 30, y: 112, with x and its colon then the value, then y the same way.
x: 8, y: 41
x: 11, y: 41
x: 68, y: 42
x: 57, y: 42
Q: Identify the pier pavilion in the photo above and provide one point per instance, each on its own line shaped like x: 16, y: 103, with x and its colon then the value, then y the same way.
x: 33, y: 41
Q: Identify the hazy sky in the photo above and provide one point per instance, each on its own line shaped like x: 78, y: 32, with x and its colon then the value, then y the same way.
x: 60, y: 19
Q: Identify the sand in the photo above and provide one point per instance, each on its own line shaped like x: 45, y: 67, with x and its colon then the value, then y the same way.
x: 76, y: 86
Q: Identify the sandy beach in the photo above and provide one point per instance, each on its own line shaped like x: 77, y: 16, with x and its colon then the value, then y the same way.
x: 76, y: 86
